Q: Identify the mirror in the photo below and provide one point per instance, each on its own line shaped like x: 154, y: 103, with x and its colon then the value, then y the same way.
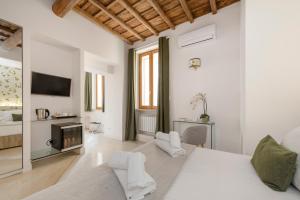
x: 11, y: 106
x: 100, y: 93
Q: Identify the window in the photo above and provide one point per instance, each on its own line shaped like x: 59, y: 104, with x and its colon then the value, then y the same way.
x: 99, y: 92
x: 148, y: 79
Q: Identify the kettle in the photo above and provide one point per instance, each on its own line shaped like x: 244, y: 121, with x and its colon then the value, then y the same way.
x: 42, y: 113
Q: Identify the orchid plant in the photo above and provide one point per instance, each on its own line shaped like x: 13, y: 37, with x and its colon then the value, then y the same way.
x: 198, y: 99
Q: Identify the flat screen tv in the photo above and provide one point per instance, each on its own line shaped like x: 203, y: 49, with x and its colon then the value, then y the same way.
x: 50, y: 85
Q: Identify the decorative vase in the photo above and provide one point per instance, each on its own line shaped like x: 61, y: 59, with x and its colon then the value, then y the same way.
x: 204, y: 118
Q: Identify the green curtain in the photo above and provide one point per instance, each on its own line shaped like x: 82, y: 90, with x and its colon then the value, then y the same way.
x: 130, y: 131
x: 163, y: 112
x: 88, y: 92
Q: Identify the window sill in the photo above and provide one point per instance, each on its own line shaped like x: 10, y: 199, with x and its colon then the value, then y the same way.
x: 146, y: 110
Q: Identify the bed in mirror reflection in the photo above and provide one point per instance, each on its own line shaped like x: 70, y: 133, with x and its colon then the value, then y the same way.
x: 11, y: 107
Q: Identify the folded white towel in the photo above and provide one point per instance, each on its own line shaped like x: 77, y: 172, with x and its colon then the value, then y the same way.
x: 136, y: 193
x: 166, y: 146
x: 175, y: 139
x: 119, y: 160
x: 136, y: 170
x: 163, y: 136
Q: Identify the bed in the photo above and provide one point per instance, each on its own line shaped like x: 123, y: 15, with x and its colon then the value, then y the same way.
x: 216, y: 175
x: 201, y: 174
x: 10, y: 131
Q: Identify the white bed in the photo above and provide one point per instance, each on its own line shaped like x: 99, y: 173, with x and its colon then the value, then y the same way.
x: 10, y: 128
x: 216, y: 175
x: 7, y: 125
x: 205, y: 175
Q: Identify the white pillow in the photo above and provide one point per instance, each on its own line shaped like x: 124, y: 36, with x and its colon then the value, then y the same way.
x: 292, y: 142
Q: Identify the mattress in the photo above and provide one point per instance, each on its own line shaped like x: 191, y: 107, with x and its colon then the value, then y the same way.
x: 216, y: 175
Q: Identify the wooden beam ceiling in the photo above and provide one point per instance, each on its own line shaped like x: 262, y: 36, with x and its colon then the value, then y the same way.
x: 6, y: 30
x: 186, y: 10
x: 213, y: 6
x: 62, y: 7
x: 98, y: 4
x: 160, y: 11
x: 132, y: 11
x: 97, y: 22
x: 4, y: 35
x: 135, y: 20
x: 13, y: 41
x: 108, y: 7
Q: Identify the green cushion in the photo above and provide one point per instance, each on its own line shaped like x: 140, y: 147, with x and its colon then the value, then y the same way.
x: 274, y: 164
x: 17, y: 117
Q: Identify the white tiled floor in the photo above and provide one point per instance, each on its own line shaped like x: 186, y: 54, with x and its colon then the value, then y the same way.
x: 47, y: 172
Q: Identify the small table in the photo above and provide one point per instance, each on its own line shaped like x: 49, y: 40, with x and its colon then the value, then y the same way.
x: 209, y: 123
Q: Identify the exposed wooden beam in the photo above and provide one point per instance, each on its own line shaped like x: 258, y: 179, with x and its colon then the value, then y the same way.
x: 213, y: 6
x: 163, y: 15
x: 186, y: 10
x: 13, y: 41
x: 62, y: 7
x: 86, y: 5
x: 115, y: 18
x: 108, y: 7
x: 132, y: 11
x: 98, y: 23
x: 4, y: 35
x: 6, y: 30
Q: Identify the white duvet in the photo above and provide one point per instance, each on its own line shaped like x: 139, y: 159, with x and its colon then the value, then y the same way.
x: 10, y: 128
x: 215, y: 175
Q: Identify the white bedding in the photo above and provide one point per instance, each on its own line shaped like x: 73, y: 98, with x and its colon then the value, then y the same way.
x: 10, y: 128
x: 7, y: 125
x: 216, y: 175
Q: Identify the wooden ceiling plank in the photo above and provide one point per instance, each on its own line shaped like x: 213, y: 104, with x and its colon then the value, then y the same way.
x: 86, y: 5
x: 98, y: 23
x: 62, y: 7
x: 160, y: 11
x: 137, y: 16
x: 13, y: 41
x: 186, y: 10
x: 213, y: 6
x: 6, y: 30
x: 108, y: 7
x: 4, y: 35
x: 98, y: 4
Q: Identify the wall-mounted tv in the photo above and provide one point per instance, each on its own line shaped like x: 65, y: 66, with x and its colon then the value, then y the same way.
x: 50, y: 85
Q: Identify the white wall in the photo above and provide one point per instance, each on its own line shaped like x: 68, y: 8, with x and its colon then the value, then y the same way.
x: 218, y: 77
x: 272, y: 68
x: 53, y: 60
x: 37, y: 18
x: 113, y: 118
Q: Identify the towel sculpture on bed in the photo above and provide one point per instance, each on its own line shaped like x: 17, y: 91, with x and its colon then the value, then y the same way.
x: 129, y: 167
x: 170, y: 143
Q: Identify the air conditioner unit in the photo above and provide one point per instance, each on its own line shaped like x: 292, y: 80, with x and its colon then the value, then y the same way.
x: 201, y: 35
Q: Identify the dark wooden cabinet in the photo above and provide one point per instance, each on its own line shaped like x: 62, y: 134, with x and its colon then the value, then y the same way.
x: 66, y: 136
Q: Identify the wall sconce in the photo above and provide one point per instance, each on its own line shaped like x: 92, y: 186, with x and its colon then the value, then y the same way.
x: 195, y: 63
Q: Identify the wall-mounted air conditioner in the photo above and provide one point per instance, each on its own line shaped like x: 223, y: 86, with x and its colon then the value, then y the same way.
x: 201, y: 35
